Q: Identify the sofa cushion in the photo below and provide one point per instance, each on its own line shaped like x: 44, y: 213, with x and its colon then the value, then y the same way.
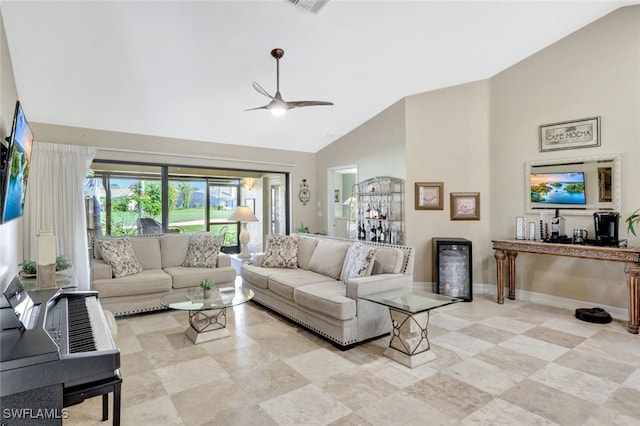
x: 146, y: 282
x: 328, y: 298
x: 174, y: 249
x: 387, y: 261
x: 328, y: 258
x: 288, y: 280
x: 147, y: 250
x: 358, y: 262
x: 306, y: 247
x: 118, y: 253
x: 281, y: 252
x: 258, y: 276
x: 182, y: 276
x: 203, y: 250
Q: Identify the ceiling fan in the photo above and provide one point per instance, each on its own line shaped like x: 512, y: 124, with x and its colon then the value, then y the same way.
x: 279, y: 106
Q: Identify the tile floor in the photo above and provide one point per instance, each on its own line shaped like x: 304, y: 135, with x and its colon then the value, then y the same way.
x: 510, y: 364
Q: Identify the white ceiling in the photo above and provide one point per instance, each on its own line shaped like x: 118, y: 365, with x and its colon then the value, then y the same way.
x: 184, y: 69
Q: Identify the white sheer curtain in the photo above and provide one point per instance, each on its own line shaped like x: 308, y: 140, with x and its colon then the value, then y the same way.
x: 55, y: 200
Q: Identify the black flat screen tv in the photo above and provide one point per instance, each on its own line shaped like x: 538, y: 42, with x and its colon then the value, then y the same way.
x: 557, y: 189
x: 15, y: 171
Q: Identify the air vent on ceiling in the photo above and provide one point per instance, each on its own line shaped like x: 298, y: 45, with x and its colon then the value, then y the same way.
x: 310, y: 5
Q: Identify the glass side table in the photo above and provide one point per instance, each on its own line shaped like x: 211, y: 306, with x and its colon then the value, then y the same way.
x: 409, y: 310
x: 64, y: 279
x: 207, y: 316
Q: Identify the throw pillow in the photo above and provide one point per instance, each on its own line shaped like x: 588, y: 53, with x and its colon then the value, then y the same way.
x: 281, y: 252
x: 358, y: 262
x: 119, y: 254
x: 203, y: 250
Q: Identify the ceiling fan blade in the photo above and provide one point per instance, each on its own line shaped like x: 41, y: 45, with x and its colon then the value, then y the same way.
x: 253, y: 109
x: 299, y: 104
x: 260, y: 90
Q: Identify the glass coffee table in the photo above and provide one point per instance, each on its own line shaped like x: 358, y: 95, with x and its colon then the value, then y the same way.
x: 207, y: 316
x: 409, y: 310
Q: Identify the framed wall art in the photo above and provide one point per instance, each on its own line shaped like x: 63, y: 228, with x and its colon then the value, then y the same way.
x: 429, y: 196
x: 570, y: 134
x: 465, y: 205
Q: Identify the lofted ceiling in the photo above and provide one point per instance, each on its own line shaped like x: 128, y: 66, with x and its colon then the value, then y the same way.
x: 183, y: 69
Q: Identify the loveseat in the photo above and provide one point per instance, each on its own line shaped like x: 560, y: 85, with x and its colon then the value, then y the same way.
x: 316, y: 281
x: 161, y: 270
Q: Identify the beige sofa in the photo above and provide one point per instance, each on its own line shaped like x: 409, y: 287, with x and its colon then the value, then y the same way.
x: 315, y: 295
x: 161, y: 258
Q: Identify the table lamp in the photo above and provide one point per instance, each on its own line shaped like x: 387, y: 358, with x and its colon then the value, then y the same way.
x: 243, y: 215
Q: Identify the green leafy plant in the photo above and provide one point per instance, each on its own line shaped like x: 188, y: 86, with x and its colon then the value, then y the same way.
x: 62, y: 263
x: 632, y: 221
x: 206, y: 284
x: 303, y: 229
x: 28, y: 266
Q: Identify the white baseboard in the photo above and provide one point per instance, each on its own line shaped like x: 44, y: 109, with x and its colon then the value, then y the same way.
x: 544, y: 299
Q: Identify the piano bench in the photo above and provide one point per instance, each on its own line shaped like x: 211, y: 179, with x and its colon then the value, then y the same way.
x: 77, y: 394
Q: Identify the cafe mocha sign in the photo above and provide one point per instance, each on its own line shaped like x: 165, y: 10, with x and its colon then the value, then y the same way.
x: 574, y: 134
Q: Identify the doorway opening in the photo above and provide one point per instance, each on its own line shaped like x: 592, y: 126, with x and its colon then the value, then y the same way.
x: 340, y: 182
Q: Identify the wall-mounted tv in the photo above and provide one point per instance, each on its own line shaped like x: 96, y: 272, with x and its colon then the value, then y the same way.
x: 15, y: 168
x: 557, y: 188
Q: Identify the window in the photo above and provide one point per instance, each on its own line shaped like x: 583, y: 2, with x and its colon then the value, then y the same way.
x: 130, y: 199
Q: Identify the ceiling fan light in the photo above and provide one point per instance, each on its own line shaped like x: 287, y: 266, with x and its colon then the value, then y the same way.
x: 278, y: 111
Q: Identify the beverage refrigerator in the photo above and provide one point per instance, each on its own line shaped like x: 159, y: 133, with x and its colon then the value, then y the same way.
x: 452, y: 268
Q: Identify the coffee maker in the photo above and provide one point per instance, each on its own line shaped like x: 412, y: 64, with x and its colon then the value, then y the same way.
x: 606, y: 226
x: 557, y: 229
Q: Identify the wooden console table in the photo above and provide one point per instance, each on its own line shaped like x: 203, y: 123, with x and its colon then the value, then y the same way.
x: 629, y: 256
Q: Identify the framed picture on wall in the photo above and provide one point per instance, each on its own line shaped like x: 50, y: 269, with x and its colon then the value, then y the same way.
x: 465, y: 205
x: 429, y: 196
x: 582, y: 133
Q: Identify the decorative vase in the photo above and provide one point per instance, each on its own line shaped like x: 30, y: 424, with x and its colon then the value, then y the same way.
x: 206, y: 293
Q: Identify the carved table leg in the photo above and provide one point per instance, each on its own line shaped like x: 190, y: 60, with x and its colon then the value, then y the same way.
x: 511, y: 257
x: 632, y: 271
x: 499, y: 255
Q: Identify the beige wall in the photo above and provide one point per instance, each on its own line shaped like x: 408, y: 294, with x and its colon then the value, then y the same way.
x: 377, y: 147
x: 10, y: 244
x: 448, y: 141
x: 593, y: 72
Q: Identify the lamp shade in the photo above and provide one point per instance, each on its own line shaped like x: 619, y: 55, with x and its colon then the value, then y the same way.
x: 349, y: 201
x: 243, y: 214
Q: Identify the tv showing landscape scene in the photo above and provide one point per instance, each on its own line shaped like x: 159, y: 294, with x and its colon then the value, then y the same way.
x: 558, y: 188
x: 16, y: 171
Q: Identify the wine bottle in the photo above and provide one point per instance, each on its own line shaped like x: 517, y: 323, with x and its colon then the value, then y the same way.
x: 380, y: 232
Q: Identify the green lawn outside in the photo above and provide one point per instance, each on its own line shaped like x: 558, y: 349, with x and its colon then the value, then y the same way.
x: 175, y: 216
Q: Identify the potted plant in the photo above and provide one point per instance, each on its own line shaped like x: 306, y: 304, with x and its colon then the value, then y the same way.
x: 206, y: 285
x: 62, y: 263
x: 29, y: 268
x: 632, y: 221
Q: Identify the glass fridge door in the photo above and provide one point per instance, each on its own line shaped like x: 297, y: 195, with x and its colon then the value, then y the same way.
x: 454, y: 271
